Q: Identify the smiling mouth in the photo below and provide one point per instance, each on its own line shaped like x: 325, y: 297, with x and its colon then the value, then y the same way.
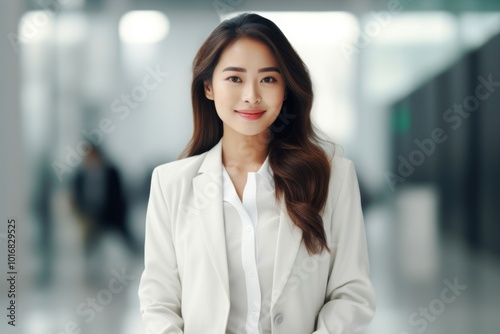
x: 251, y: 114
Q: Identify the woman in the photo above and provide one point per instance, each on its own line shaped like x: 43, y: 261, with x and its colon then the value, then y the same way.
x: 256, y: 229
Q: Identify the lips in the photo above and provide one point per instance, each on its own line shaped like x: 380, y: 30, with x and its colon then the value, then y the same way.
x: 252, y: 114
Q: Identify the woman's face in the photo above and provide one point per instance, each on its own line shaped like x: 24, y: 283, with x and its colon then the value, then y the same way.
x: 247, y: 88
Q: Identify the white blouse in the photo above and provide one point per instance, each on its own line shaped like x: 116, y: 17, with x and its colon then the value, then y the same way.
x: 251, y: 230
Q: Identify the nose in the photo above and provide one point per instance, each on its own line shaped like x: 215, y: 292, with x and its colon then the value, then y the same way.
x: 251, y: 94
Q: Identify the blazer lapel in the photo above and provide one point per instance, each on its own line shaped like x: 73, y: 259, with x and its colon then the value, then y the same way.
x: 207, y: 187
x: 287, y: 247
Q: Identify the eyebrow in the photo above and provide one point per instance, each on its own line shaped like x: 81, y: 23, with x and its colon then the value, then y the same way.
x: 241, y: 69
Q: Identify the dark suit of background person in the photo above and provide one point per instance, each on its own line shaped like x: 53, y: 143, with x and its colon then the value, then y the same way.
x: 100, y: 201
x: 42, y: 208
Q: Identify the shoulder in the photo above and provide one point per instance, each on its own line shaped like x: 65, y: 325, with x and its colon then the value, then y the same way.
x: 178, y: 170
x: 342, y: 178
x: 339, y: 165
x: 181, y: 166
x: 111, y: 170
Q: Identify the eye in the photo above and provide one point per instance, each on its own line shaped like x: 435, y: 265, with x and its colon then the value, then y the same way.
x: 269, y: 80
x: 234, y: 79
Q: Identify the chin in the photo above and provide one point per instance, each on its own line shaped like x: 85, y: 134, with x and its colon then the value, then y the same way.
x: 248, y: 131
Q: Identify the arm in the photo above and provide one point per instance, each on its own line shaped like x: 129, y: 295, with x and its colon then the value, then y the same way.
x: 350, y: 298
x: 160, y: 286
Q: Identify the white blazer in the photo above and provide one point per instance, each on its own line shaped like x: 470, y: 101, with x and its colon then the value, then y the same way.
x: 184, y: 287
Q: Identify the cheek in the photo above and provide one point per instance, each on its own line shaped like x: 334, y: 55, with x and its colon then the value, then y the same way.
x: 224, y: 96
x: 277, y: 101
x: 276, y: 109
x: 276, y: 113
x: 277, y: 96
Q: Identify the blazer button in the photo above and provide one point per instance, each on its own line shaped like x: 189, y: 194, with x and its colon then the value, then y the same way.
x: 278, y: 319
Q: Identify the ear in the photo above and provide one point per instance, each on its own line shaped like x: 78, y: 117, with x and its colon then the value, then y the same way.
x: 284, y: 97
x: 209, y: 93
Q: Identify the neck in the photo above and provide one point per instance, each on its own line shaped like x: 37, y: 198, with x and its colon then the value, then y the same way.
x: 241, y: 153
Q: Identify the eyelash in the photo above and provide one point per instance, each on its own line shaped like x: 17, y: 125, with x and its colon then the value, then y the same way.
x: 233, y: 77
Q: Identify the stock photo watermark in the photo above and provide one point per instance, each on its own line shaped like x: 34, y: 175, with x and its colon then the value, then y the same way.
x: 32, y: 25
x: 121, y: 108
x: 379, y: 21
x: 453, y: 117
x: 11, y: 271
x: 89, y: 308
x: 420, y: 319
x: 299, y: 274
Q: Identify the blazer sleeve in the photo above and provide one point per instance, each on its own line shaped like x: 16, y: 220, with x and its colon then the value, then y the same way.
x: 350, y: 298
x: 160, y: 286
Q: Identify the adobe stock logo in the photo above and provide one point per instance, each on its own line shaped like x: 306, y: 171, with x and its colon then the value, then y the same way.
x: 89, y: 308
x: 120, y: 109
x: 33, y: 25
x: 372, y: 29
x: 421, y: 319
x: 453, y: 117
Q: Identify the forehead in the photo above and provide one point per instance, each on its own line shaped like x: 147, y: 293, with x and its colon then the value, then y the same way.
x: 247, y: 53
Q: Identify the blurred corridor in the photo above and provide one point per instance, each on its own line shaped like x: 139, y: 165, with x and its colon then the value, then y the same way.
x: 409, y: 89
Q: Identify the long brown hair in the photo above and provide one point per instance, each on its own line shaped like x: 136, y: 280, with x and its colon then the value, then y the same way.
x: 300, y: 166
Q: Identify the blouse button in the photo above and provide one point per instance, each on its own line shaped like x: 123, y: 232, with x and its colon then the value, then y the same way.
x: 278, y: 319
x: 249, y: 229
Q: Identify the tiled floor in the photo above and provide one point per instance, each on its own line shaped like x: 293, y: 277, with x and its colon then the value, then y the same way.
x: 411, y: 266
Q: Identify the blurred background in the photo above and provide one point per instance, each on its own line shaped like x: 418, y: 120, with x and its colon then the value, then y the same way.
x: 96, y: 93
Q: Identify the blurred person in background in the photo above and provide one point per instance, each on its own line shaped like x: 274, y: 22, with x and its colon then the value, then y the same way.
x: 42, y: 208
x: 99, y: 200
